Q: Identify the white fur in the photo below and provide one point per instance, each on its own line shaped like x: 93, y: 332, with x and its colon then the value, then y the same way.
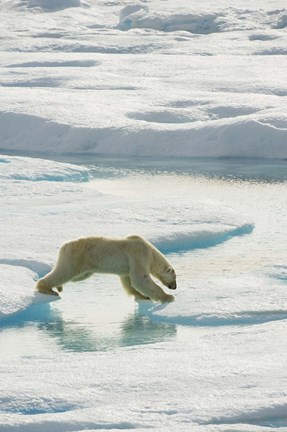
x: 133, y: 258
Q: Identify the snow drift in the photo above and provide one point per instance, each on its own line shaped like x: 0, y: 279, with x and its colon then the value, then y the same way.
x: 238, y: 138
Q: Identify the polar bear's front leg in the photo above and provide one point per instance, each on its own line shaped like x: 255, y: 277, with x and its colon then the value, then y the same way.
x: 143, y: 283
x: 146, y: 286
x: 130, y: 290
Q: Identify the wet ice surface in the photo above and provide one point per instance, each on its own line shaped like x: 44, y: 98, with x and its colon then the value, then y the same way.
x: 95, y: 359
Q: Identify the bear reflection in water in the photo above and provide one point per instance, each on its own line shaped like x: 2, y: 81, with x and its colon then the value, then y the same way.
x: 79, y: 335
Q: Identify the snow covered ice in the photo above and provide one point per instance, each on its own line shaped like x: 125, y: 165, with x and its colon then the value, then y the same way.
x: 134, y: 78
x: 112, y: 118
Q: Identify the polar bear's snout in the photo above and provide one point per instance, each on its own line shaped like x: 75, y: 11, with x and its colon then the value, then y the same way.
x: 168, y: 278
x: 172, y: 285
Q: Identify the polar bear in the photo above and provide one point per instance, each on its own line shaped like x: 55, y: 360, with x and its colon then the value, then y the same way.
x: 133, y: 258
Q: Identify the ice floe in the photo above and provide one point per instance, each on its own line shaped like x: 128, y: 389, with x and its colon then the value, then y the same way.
x: 229, y: 302
x: 17, y: 290
x: 32, y: 169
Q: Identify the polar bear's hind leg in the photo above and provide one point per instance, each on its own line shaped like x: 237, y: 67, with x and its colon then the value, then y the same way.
x: 54, y: 279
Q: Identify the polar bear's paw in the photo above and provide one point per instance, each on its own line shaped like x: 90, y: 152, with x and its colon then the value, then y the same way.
x: 44, y: 289
x: 167, y: 298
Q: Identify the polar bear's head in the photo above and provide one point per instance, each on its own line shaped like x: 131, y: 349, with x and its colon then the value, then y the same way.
x: 168, y: 278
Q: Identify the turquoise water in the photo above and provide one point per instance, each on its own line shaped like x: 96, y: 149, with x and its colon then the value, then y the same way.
x: 224, y: 168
